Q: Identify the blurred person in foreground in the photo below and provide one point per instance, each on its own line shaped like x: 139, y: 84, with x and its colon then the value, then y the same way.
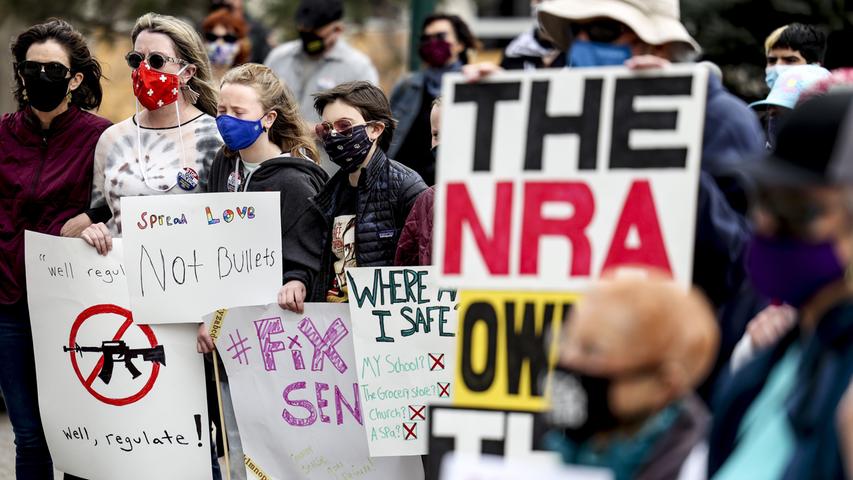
x: 777, y: 416
x: 226, y: 38
x: 532, y: 49
x: 790, y: 45
x: 320, y: 59
x: 631, y: 355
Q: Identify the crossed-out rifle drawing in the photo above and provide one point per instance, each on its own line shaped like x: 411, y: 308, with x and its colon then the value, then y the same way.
x: 118, y: 351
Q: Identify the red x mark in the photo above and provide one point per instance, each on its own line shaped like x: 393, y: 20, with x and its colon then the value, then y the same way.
x: 437, y: 361
x: 416, y: 412
x: 444, y: 387
x: 411, y: 432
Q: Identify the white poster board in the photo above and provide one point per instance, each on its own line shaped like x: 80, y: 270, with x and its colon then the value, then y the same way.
x: 404, y: 329
x: 117, y: 399
x: 548, y: 178
x: 187, y: 255
x: 493, y: 467
x: 295, y: 394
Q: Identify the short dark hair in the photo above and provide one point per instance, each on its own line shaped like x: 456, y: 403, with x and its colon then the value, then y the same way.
x: 365, y: 97
x: 460, y: 28
x: 89, y: 94
x: 806, y: 39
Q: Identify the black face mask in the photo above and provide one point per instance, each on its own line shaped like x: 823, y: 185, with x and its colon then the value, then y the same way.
x: 44, y: 94
x: 434, y: 152
x: 580, y: 404
x: 312, y: 44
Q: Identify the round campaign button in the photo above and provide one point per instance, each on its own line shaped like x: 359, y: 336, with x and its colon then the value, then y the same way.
x: 233, y: 182
x: 188, y: 179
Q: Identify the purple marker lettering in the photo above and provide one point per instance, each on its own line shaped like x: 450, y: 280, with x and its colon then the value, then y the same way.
x: 325, y: 345
x: 288, y: 417
x: 319, y: 387
x: 265, y: 328
x: 340, y: 399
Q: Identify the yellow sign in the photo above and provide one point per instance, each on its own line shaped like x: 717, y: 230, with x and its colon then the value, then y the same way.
x: 507, y: 344
x: 216, y: 325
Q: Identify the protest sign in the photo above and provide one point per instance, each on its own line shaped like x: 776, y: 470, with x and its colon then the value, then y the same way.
x: 187, y: 255
x: 470, y: 432
x: 548, y: 178
x: 493, y: 467
x: 117, y: 399
x: 295, y: 394
x: 404, y: 330
x: 507, y: 344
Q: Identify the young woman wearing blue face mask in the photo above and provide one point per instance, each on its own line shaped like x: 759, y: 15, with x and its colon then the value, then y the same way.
x: 268, y: 147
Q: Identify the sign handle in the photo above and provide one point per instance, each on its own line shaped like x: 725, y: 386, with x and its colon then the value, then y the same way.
x: 221, y: 415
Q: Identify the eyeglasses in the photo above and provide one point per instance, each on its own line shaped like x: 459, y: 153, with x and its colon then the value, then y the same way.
x: 53, y: 70
x: 342, y: 127
x: 156, y: 60
x: 228, y: 37
x: 602, y: 31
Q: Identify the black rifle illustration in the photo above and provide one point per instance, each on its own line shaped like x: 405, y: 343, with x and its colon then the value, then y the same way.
x: 119, y: 352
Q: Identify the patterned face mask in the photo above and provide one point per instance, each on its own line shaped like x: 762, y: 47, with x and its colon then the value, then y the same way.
x: 348, y: 149
x: 155, y: 89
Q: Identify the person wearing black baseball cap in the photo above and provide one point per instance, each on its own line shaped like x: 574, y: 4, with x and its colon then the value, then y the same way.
x: 321, y: 59
x: 776, y: 417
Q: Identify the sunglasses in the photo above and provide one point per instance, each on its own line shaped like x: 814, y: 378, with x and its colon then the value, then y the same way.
x: 228, y: 37
x: 155, y: 60
x: 342, y: 127
x: 601, y: 31
x: 53, y: 70
x: 435, y: 36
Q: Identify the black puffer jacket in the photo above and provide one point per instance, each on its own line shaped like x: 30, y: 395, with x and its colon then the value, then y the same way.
x: 386, y: 192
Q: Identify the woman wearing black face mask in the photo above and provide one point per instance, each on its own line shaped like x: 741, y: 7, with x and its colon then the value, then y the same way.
x: 366, y: 203
x: 445, y: 42
x: 46, y: 155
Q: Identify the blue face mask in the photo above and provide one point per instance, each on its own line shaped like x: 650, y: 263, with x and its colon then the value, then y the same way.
x: 595, y: 54
x: 237, y: 133
x: 771, y: 74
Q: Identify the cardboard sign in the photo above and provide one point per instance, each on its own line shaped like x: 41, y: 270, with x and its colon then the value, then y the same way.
x: 298, y: 411
x: 187, y: 255
x: 507, y: 345
x: 476, y: 432
x: 404, y: 330
x: 117, y: 399
x: 548, y: 178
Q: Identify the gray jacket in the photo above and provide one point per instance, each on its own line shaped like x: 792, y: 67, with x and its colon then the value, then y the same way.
x: 405, y: 105
x: 305, y: 75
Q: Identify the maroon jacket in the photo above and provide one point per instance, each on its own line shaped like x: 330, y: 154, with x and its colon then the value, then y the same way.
x: 415, y: 245
x: 45, y: 179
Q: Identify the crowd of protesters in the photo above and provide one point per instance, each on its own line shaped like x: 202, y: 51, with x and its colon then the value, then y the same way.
x: 748, y: 375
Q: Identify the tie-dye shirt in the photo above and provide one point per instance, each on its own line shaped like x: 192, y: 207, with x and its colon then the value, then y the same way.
x: 118, y: 170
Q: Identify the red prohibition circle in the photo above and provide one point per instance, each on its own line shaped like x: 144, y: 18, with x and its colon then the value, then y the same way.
x: 87, y: 382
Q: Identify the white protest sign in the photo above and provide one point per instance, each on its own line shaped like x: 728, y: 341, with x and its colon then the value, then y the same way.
x: 492, y: 467
x: 187, y: 255
x: 117, y: 399
x: 548, y: 178
x: 295, y: 394
x: 404, y: 329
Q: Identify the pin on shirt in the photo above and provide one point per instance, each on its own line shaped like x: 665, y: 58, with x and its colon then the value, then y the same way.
x: 188, y: 179
x: 233, y: 182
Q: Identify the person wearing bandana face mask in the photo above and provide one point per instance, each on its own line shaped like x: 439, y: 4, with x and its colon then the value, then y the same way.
x: 776, y: 417
x: 46, y: 154
x: 321, y: 58
x: 168, y: 146
x: 226, y: 39
x: 366, y: 203
x: 445, y: 44
x: 622, y: 395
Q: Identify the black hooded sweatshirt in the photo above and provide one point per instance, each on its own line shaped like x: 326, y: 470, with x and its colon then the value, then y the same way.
x: 302, y: 227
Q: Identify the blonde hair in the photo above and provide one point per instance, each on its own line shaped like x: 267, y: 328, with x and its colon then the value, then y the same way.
x: 773, y: 38
x: 289, y: 131
x: 189, y: 47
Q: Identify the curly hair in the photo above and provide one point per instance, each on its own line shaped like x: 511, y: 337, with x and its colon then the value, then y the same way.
x: 289, y: 131
x: 89, y: 94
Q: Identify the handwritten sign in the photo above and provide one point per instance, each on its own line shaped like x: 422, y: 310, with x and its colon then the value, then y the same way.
x: 137, y: 391
x: 548, y: 178
x: 404, y: 330
x: 187, y: 255
x: 299, y: 413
